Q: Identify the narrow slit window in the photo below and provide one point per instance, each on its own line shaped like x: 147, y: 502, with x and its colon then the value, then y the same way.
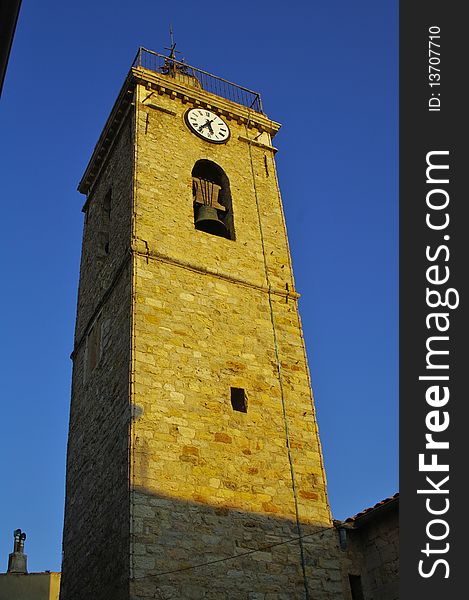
x: 239, y: 400
x: 266, y: 166
x: 107, y: 219
x: 93, y: 346
x: 104, y: 232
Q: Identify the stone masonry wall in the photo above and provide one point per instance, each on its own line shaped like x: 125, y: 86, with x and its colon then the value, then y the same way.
x: 373, y: 554
x: 96, y: 527
x: 209, y: 482
x: 97, y: 270
x: 184, y: 317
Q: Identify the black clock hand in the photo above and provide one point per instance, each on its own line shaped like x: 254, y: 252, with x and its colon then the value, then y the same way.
x: 209, y: 125
x: 206, y: 124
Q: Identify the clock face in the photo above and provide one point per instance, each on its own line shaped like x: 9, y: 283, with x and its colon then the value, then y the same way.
x: 207, y: 125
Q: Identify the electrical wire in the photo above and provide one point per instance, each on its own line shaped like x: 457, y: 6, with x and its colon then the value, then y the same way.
x: 132, y: 437
x: 234, y: 556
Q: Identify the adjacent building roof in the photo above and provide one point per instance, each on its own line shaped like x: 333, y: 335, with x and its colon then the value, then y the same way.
x: 378, y: 508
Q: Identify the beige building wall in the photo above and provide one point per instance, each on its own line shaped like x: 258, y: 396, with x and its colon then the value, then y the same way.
x: 29, y: 586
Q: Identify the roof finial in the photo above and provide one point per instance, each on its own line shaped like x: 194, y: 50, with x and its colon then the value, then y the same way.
x: 172, y: 65
x: 172, y: 48
x: 171, y: 33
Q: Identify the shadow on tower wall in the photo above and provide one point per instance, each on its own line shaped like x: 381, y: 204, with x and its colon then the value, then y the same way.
x: 193, y: 550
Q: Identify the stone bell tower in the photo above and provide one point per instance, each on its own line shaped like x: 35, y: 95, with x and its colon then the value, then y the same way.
x: 194, y: 468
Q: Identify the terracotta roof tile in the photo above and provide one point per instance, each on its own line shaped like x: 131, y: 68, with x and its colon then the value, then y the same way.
x: 368, y: 511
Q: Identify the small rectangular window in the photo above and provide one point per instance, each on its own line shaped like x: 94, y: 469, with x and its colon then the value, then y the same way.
x: 239, y: 400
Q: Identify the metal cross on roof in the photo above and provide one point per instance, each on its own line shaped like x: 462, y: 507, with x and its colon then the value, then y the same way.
x: 172, y: 48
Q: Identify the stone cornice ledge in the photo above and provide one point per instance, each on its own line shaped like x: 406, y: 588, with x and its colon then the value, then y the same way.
x: 166, y: 85
x: 140, y: 248
x: 112, y: 126
x: 199, y: 97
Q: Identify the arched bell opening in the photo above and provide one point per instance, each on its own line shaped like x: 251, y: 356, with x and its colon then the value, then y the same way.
x: 213, y: 212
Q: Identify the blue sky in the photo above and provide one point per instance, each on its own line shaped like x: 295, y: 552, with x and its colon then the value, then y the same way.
x: 328, y: 72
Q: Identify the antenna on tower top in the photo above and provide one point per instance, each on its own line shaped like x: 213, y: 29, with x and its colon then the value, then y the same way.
x: 171, y: 33
x: 171, y: 63
x: 172, y: 47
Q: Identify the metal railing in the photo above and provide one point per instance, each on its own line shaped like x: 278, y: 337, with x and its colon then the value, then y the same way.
x: 166, y: 65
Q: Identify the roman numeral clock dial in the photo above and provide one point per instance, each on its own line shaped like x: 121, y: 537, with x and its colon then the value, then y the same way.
x: 207, y: 125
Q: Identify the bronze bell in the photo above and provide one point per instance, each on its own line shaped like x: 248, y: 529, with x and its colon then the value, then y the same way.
x: 207, y: 220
